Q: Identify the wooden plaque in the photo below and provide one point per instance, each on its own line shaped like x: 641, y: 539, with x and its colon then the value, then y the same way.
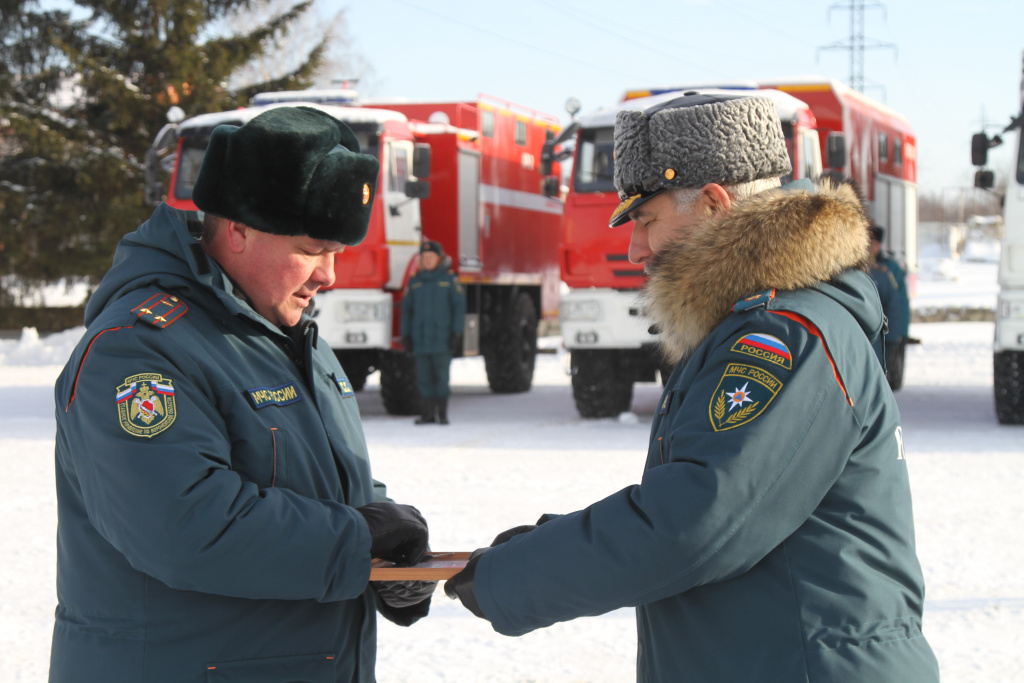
x: 433, y: 567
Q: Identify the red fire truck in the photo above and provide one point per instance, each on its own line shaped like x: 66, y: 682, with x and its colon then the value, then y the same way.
x: 610, y: 346
x: 483, y: 202
x: 856, y: 136
x: 874, y: 146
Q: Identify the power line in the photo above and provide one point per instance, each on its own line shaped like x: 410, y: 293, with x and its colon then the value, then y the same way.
x: 515, y: 41
x: 618, y: 35
x: 856, y: 45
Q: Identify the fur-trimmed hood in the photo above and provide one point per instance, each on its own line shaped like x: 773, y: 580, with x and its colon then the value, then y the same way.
x: 778, y: 239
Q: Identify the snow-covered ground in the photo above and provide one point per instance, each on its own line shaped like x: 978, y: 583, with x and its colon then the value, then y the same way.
x: 508, y: 458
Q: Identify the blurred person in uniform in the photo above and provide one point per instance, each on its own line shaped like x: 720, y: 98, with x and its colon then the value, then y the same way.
x: 217, y: 514
x: 433, y: 317
x: 771, y: 536
x: 892, y: 290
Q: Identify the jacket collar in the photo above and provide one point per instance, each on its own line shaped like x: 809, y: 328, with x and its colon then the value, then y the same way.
x: 783, y: 239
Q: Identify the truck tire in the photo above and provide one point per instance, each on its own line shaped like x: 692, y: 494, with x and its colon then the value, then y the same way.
x: 398, y: 383
x: 510, y: 351
x: 894, y: 373
x: 1008, y: 381
x: 357, y: 366
x: 598, y: 391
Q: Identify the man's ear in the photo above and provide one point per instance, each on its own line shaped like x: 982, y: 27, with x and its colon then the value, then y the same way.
x: 714, y: 198
x: 236, y: 236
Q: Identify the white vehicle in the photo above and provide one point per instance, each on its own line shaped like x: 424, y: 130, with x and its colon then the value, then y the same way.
x: 1008, y: 349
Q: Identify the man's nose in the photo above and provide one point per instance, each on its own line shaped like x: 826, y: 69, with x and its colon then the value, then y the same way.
x: 639, y: 248
x: 323, y: 275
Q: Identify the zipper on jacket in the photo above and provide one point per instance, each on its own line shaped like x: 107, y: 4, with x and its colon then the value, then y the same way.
x: 273, y: 440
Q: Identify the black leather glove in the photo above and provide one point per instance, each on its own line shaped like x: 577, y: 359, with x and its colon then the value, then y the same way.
x: 402, y: 594
x: 455, y: 344
x: 407, y: 343
x: 460, y: 586
x: 399, y: 532
x: 504, y: 536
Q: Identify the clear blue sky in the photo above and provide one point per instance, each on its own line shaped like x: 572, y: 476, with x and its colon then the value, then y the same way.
x: 956, y: 62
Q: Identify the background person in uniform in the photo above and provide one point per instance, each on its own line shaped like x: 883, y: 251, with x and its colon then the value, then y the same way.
x: 892, y: 290
x: 433, y: 317
x: 216, y: 509
x: 771, y: 536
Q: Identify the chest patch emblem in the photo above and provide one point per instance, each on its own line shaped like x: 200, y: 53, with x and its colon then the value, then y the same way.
x: 343, y: 386
x: 741, y: 396
x: 262, y: 397
x: 766, y: 347
x: 145, y: 404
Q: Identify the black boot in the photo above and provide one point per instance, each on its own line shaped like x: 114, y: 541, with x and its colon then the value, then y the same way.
x: 427, y: 409
x: 442, y: 410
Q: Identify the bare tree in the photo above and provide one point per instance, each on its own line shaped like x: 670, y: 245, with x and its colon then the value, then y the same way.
x: 291, y: 48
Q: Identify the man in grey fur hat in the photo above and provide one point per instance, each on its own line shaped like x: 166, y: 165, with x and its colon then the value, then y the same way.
x: 771, y: 537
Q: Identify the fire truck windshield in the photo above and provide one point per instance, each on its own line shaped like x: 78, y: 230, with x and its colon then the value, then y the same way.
x: 195, y: 140
x: 595, y: 167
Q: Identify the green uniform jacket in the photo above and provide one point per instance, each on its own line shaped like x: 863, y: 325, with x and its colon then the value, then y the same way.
x: 206, y: 487
x: 433, y: 309
x: 771, y: 536
x: 900, y: 327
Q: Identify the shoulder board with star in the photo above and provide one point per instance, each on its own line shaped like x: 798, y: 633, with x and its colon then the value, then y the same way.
x: 759, y: 300
x: 160, y: 309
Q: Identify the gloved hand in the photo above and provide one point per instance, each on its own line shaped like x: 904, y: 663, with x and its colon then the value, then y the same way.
x: 399, y: 532
x: 402, y: 594
x: 504, y: 536
x: 407, y: 343
x: 460, y: 586
x: 455, y: 344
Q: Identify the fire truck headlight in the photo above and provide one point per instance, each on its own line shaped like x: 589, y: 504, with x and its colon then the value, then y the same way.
x: 1011, y: 310
x: 581, y: 310
x: 363, y: 311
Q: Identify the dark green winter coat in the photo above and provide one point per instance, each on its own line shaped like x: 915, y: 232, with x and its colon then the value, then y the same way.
x: 898, y: 312
x: 433, y: 309
x: 771, y: 537
x: 207, y: 485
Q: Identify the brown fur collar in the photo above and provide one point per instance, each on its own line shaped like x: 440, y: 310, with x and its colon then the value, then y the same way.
x: 777, y: 239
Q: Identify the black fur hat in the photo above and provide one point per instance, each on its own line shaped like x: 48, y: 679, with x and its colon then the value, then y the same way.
x: 289, y: 171
x: 431, y: 245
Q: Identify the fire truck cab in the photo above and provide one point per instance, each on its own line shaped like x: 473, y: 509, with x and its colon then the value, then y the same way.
x: 483, y: 203
x: 1008, y: 347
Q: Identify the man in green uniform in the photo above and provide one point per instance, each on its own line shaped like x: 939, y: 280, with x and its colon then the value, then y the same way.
x: 216, y: 510
x: 771, y: 536
x: 892, y: 290
x: 433, y: 317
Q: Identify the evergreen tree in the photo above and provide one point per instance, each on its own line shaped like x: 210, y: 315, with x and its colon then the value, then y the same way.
x: 83, y: 93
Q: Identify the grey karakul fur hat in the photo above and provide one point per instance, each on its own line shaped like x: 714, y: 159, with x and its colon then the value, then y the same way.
x: 692, y: 140
x: 289, y: 171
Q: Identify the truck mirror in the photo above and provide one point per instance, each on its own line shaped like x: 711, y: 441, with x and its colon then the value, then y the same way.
x: 979, y: 151
x: 984, y: 180
x: 421, y: 160
x: 835, y: 151
x: 417, y: 189
x: 549, y: 186
x: 547, y: 155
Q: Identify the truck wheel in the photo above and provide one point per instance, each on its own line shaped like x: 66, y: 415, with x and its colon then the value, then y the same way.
x: 897, y: 361
x: 1008, y: 381
x: 595, y: 386
x: 510, y: 353
x: 398, y: 383
x: 357, y: 366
